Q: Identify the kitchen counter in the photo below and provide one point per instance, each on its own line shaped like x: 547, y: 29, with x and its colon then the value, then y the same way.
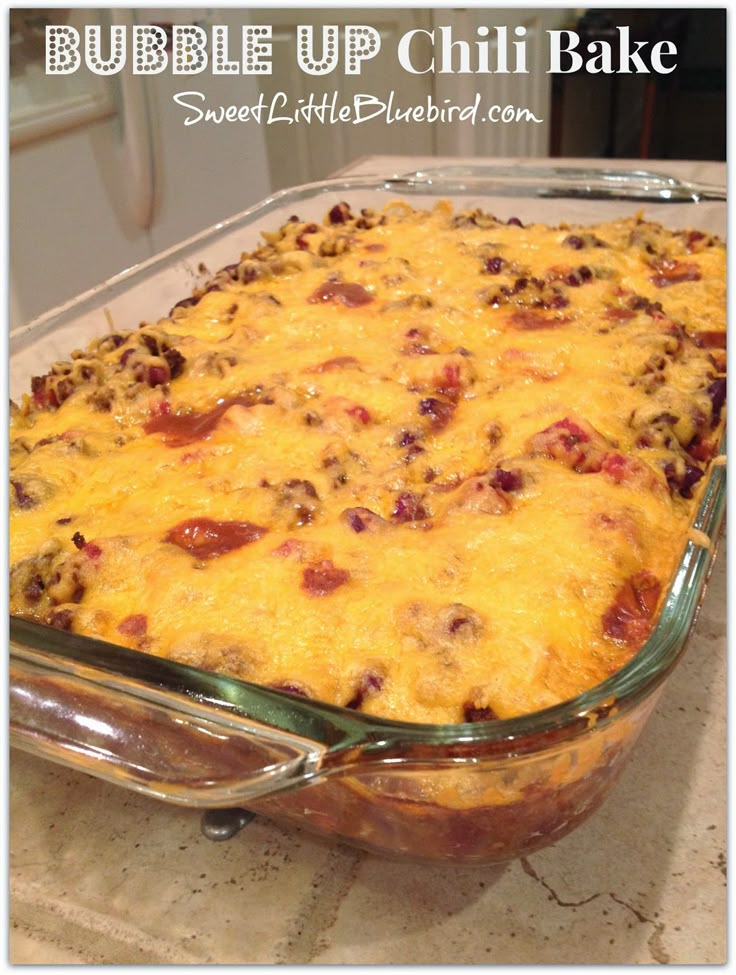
x: 99, y: 875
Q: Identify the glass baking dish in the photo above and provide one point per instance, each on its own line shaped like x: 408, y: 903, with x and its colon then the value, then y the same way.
x: 478, y: 792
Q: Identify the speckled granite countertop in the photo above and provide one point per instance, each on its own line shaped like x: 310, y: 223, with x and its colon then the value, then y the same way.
x: 102, y: 876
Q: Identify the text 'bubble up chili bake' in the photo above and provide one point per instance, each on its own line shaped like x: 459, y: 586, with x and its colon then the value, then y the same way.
x: 427, y: 465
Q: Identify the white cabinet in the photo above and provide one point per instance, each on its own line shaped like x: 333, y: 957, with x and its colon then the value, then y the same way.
x: 74, y: 192
x: 69, y: 228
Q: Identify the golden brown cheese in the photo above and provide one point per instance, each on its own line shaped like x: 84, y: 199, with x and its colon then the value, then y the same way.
x: 430, y: 465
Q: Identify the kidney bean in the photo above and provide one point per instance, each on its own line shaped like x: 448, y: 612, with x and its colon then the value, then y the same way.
x: 363, y: 520
x: 473, y: 713
x: 60, y: 619
x: 359, y: 413
x: 717, y: 395
x: 407, y: 437
x: 561, y: 441
x: 640, y: 303
x: 461, y: 622
x: 500, y: 298
x: 691, y: 477
x: 305, y: 487
x: 323, y: 578
x: 440, y: 412
x: 186, y: 303
x: 619, y: 468
x: 478, y: 495
x: 111, y: 341
x: 301, y: 242
x: 700, y: 449
x: 34, y: 588
x: 557, y: 300
x: 370, y: 683
x: 156, y: 375
x: 22, y: 497
x: 408, y: 507
x: 134, y: 625
x: 150, y: 342
x: 340, y: 213
x: 43, y: 394
x: 507, y: 481
x: 413, y: 452
x: 64, y: 389
x: 683, y: 483
x: 450, y: 383
x: 78, y: 591
x: 493, y: 265
x: 693, y: 236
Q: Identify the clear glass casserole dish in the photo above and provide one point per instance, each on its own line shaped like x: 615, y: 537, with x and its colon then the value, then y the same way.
x: 467, y: 792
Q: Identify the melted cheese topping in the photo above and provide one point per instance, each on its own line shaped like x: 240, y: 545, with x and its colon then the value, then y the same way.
x: 434, y: 466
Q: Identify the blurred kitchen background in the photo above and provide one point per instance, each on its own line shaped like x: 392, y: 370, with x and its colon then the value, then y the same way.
x: 103, y: 173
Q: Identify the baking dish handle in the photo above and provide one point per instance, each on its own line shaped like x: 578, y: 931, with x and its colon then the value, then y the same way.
x: 565, y: 182
x: 149, y: 741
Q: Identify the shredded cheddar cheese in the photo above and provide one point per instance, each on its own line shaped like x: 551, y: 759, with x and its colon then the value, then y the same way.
x: 698, y: 537
x: 434, y: 466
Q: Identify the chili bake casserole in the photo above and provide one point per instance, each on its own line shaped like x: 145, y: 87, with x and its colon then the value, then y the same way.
x: 435, y: 466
